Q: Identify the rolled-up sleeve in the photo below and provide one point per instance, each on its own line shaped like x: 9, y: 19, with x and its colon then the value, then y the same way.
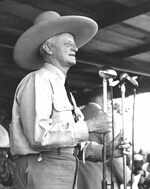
x: 38, y: 122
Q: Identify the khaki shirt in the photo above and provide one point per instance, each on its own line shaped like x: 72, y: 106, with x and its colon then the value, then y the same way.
x: 42, y: 114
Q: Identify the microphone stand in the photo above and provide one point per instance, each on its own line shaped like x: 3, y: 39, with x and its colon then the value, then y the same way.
x: 113, y: 135
x: 104, y: 181
x: 133, y: 83
x: 123, y: 90
x: 107, y: 75
x: 133, y: 126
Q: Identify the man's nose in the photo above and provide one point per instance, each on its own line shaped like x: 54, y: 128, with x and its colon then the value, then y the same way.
x: 74, y: 48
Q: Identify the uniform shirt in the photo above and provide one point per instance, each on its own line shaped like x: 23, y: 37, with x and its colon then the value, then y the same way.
x: 42, y: 114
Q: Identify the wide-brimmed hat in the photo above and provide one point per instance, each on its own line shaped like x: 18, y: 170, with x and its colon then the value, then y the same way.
x: 46, y: 25
x: 4, y: 138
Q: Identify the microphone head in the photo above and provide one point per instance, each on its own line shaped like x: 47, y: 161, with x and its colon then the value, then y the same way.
x: 123, y: 76
x: 130, y: 81
x: 108, y: 73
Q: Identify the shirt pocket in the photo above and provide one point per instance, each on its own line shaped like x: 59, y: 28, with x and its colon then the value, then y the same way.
x: 61, y: 102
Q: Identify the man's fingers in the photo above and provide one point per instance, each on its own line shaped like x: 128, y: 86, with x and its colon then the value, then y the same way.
x: 124, y: 146
x: 125, y: 141
x: 126, y: 152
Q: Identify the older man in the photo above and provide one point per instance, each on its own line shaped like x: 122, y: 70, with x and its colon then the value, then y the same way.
x: 46, y: 124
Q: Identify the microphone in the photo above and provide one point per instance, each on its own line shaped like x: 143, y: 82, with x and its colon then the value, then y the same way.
x: 125, y: 78
x: 108, y: 73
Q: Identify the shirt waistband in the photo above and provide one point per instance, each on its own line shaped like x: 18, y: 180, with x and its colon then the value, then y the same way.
x: 69, y: 150
x: 73, y: 151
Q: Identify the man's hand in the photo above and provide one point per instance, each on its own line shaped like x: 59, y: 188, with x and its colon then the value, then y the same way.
x: 97, y: 121
x: 120, y: 147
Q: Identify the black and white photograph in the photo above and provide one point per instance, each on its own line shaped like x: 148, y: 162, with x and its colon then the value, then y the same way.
x: 74, y: 94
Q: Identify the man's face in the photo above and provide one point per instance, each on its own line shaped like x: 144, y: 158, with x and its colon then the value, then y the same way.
x: 64, y: 49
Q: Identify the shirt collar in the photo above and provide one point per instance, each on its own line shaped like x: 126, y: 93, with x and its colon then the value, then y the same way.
x: 55, y: 70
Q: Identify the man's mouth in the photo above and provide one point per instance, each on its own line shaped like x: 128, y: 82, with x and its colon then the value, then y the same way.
x: 72, y: 55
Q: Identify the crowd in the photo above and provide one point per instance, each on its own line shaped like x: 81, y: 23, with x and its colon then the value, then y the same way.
x: 142, y: 169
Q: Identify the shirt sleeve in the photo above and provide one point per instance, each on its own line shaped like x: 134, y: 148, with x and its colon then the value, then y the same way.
x: 92, y: 151
x: 42, y: 132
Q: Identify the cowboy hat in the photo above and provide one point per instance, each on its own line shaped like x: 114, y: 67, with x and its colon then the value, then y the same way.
x: 4, y: 138
x: 46, y: 25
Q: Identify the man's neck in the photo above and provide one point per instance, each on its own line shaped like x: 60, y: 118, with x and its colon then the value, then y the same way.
x: 61, y: 68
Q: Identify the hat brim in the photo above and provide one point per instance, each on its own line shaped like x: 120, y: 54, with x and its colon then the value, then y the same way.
x: 26, y: 49
x: 4, y: 138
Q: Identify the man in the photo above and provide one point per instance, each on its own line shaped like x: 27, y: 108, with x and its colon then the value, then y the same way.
x: 46, y: 124
x: 93, y: 167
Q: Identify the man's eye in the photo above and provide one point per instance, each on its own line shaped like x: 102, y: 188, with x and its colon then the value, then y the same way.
x: 68, y: 44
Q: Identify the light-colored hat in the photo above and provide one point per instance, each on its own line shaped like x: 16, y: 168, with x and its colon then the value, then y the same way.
x: 4, y: 138
x: 46, y: 25
x: 138, y: 157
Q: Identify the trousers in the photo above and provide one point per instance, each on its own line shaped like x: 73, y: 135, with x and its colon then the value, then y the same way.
x: 94, y: 171
x: 46, y: 171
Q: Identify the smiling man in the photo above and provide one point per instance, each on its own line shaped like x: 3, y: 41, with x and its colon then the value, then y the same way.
x: 47, y: 126
x: 60, y: 51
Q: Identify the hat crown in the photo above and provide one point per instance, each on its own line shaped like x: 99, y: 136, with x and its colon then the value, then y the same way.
x: 46, y: 16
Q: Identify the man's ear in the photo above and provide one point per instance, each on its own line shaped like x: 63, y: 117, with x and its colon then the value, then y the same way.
x: 46, y: 48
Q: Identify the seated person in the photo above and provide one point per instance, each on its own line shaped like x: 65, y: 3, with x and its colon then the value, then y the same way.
x: 6, y: 165
x: 146, y: 169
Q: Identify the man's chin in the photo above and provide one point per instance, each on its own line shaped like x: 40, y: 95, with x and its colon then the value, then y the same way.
x: 72, y: 63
